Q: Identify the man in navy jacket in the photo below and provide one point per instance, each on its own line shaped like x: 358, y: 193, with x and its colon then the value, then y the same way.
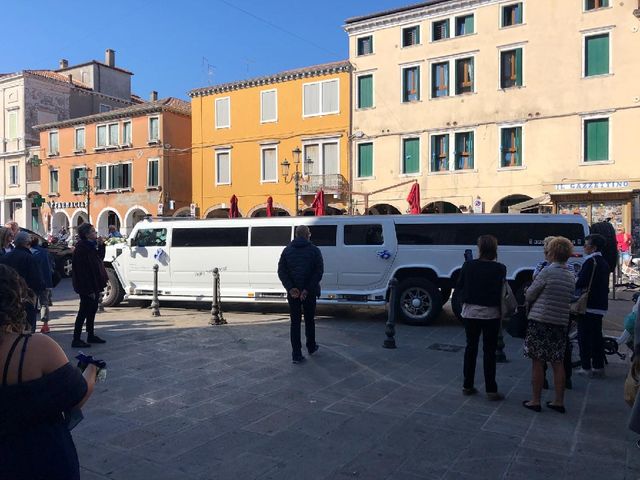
x: 590, y: 324
x: 300, y: 270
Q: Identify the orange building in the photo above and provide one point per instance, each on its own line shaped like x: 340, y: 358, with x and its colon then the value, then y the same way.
x: 244, y: 131
x: 115, y: 167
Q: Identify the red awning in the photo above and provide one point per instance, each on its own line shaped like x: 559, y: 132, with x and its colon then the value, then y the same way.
x: 414, y: 199
x: 269, y: 207
x: 233, y: 209
x: 318, y: 204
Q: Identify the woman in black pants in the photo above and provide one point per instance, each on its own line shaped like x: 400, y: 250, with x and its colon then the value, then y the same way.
x: 480, y: 282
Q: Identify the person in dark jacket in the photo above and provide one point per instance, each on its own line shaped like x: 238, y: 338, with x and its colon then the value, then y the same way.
x: 481, y: 282
x: 22, y: 260
x: 300, y: 270
x: 46, y: 265
x: 89, y: 279
x: 590, y: 324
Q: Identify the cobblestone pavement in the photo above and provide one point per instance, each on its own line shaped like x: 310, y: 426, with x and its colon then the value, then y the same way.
x: 185, y: 400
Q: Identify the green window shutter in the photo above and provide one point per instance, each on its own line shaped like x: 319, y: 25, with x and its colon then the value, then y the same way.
x: 518, y: 146
x: 597, y: 53
x: 446, y: 29
x: 471, y: 151
x: 434, y: 153
x: 519, y: 67
x: 468, y: 25
x: 597, y: 140
x: 365, y: 160
x: 446, y: 153
x: 365, y: 91
x: 504, y: 148
x: 411, y: 160
x: 519, y: 13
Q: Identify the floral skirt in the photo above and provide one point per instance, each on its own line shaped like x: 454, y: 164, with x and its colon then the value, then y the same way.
x: 545, y: 341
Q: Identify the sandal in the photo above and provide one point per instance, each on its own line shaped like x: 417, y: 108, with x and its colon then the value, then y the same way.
x: 535, y: 408
x: 557, y: 408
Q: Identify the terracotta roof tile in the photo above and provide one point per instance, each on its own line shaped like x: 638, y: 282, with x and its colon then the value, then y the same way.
x: 59, y: 77
x: 394, y: 10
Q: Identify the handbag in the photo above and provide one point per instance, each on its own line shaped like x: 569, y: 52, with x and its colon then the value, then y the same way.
x: 517, y: 325
x: 631, y: 385
x: 579, y: 307
x: 508, y: 302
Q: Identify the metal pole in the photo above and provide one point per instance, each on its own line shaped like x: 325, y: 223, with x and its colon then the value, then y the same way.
x: 297, y: 185
x: 390, y: 327
x: 155, y: 303
x: 216, y: 307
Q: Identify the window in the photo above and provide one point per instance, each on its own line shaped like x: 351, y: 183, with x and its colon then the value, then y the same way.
x: 113, y: 134
x: 365, y: 91
x: 270, y: 236
x: 464, y: 25
x: 411, y: 36
x: 512, y: 14
x: 440, y: 153
x: 211, y: 237
x: 596, y: 140
x: 410, y: 155
x: 511, y: 147
x: 596, y: 55
x: 595, y: 4
x: 323, y: 235
x: 511, y: 68
x: 107, y: 135
x: 54, y: 148
x: 365, y: 46
x: 321, y: 98
x: 365, y: 160
x: 464, y: 76
x: 119, y: 176
x: 101, y: 178
x: 269, y: 106
x: 411, y: 84
x: 325, y: 157
x: 464, y: 151
x: 53, y: 182
x: 223, y: 168
x: 154, y: 129
x: 363, y: 234
x: 101, y: 133
x: 153, y: 178
x: 269, y: 164
x: 105, y: 108
x: 440, y: 30
x: 126, y: 133
x: 79, y: 139
x: 13, y: 175
x: 151, y: 237
x: 76, y: 174
x: 440, y: 80
x: 12, y: 125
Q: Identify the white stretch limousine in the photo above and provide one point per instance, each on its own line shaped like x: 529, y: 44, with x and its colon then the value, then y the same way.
x: 361, y: 255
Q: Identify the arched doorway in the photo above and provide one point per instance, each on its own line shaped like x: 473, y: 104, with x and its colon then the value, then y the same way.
x: 133, y: 216
x: 108, y: 217
x: 78, y: 218
x: 329, y: 210
x: 183, y: 212
x: 59, y: 220
x: 218, y: 213
x: 440, y: 207
x: 383, y: 209
x: 503, y: 205
x: 277, y: 212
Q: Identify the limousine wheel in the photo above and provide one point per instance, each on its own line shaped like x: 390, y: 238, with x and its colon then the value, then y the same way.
x: 113, y: 292
x: 419, y: 301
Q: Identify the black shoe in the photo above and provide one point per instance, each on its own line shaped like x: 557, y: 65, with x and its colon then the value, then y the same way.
x: 95, y: 339
x: 78, y: 343
x: 545, y: 385
x: 314, y: 349
x: 299, y: 359
x: 557, y: 408
x: 535, y: 408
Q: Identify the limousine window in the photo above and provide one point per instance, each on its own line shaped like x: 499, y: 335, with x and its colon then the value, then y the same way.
x: 156, y: 237
x: 210, y: 237
x: 270, y: 236
x: 323, y: 235
x: 511, y: 234
x: 363, y: 234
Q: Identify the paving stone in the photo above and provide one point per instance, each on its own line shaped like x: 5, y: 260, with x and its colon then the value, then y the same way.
x: 276, y: 422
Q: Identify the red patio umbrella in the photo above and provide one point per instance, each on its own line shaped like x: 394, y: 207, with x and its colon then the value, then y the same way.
x: 233, y: 209
x: 414, y: 199
x: 269, y: 207
x: 318, y: 204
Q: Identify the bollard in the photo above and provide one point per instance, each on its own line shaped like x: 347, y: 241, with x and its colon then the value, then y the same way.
x: 216, y: 307
x: 155, y: 303
x: 390, y: 327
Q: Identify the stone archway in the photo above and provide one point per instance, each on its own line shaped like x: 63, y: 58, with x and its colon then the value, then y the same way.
x: 218, y: 213
x: 383, y: 209
x: 277, y: 212
x: 106, y: 217
x: 440, y: 207
x: 502, y: 206
x: 329, y: 210
x: 182, y: 212
x: 59, y: 220
x: 132, y: 217
x: 78, y: 218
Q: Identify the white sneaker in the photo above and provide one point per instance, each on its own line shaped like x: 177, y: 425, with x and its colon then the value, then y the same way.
x: 584, y: 373
x: 597, y: 373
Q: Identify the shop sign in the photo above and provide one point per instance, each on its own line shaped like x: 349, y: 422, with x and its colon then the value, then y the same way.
x: 592, y: 185
x: 60, y: 205
x: 478, y: 205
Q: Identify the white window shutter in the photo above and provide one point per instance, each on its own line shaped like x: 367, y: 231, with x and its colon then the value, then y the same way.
x: 312, y: 99
x: 330, y: 158
x: 269, y: 106
x: 222, y: 113
x: 330, y: 97
x: 223, y: 167
x: 269, y: 165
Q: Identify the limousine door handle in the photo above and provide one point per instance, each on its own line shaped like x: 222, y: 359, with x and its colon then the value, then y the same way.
x: 384, y: 254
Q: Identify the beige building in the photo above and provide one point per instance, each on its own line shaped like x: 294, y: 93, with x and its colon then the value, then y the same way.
x: 492, y: 103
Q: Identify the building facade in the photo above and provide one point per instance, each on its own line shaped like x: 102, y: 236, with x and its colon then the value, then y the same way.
x: 32, y: 97
x: 491, y: 104
x: 113, y: 168
x: 243, y: 131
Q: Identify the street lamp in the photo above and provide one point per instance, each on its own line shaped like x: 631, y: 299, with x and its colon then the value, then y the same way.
x: 85, y: 186
x: 297, y: 175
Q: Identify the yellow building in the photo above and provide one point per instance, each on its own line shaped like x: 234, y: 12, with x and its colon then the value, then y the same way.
x: 489, y: 104
x: 243, y: 132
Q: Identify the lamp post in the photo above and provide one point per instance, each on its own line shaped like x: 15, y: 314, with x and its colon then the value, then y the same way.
x: 85, y: 186
x: 297, y: 175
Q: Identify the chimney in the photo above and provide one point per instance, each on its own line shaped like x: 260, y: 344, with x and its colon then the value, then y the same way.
x: 154, y: 96
x: 110, y: 57
x: 70, y: 78
x: 64, y: 63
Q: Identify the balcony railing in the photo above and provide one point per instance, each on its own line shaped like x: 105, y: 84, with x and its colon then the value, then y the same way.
x: 332, y: 183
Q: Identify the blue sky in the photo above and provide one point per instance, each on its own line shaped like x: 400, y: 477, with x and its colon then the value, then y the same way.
x: 174, y: 46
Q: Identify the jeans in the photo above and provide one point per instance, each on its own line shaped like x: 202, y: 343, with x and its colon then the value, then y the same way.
x: 489, y: 330
x: 87, y: 311
x: 296, y: 310
x: 44, y: 298
x: 590, y: 341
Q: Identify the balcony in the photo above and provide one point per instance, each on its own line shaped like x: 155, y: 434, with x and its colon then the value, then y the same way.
x: 332, y: 183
